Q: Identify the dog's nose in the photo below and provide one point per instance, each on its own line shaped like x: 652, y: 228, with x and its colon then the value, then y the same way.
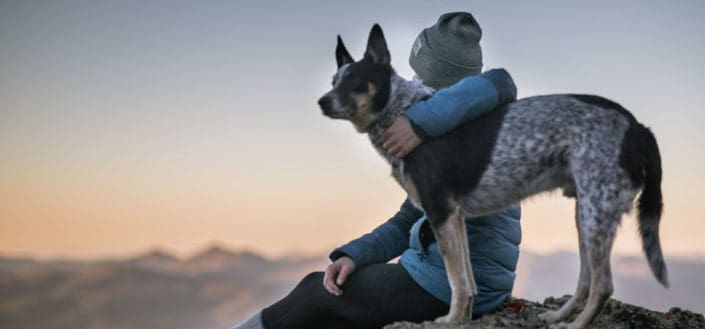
x: 325, y: 103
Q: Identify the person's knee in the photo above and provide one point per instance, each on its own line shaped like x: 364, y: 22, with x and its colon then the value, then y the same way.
x: 312, y: 282
x: 311, y: 293
x: 313, y: 277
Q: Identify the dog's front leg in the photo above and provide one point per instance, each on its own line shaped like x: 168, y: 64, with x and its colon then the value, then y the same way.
x: 453, y: 244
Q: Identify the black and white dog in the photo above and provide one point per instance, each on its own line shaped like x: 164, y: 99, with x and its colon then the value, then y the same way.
x: 589, y: 146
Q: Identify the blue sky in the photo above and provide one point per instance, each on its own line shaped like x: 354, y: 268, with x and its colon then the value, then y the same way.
x: 129, y: 124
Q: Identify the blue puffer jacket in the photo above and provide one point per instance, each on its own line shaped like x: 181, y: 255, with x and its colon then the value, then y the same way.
x: 494, y: 252
x: 493, y: 240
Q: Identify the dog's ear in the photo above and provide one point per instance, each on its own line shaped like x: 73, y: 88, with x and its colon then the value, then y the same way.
x: 341, y: 54
x: 377, y: 47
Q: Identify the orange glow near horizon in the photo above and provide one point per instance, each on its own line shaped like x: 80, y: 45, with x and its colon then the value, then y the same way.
x: 87, y: 217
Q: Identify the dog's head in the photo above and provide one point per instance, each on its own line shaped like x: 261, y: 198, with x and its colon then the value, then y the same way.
x: 360, y: 89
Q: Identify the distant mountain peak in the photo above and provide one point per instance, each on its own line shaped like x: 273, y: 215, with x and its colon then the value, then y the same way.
x: 157, y: 254
x: 216, y: 258
x: 214, y: 250
x: 218, y: 251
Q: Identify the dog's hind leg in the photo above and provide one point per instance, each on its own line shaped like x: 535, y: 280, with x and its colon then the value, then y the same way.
x: 453, y: 244
x: 582, y: 290
x: 598, y: 227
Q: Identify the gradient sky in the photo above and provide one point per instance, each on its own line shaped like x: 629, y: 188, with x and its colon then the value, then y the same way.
x: 126, y: 125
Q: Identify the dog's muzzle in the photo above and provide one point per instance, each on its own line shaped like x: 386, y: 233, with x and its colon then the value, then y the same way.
x: 326, y: 104
x: 330, y: 106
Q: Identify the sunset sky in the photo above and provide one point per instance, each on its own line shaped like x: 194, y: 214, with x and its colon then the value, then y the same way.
x: 128, y: 125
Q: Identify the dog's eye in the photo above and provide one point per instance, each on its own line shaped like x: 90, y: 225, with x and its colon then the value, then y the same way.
x: 358, y: 85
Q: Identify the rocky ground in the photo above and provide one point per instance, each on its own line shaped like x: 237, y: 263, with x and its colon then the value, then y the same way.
x: 523, y: 314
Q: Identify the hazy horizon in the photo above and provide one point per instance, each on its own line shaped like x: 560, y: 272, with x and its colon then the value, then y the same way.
x: 128, y: 125
x: 293, y: 255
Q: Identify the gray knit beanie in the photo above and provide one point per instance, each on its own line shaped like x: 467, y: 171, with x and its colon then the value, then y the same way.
x: 448, y: 51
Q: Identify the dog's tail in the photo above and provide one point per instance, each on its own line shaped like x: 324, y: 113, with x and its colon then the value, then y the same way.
x: 650, y: 206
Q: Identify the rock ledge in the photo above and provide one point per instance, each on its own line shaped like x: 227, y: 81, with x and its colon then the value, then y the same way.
x: 523, y: 314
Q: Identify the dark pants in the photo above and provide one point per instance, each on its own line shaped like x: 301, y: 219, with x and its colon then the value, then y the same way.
x: 373, y: 296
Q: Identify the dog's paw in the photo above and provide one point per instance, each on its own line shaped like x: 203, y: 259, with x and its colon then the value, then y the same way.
x: 447, y: 319
x: 442, y: 319
x: 550, y: 317
x: 562, y: 325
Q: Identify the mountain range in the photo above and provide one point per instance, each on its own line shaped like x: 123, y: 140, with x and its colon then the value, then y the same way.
x: 218, y: 287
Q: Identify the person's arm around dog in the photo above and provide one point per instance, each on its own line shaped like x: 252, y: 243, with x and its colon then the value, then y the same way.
x: 465, y: 100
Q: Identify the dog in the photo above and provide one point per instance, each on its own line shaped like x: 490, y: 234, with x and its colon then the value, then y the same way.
x: 588, y: 146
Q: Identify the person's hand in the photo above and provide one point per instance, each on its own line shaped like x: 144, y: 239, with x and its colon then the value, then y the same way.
x: 338, y: 271
x: 400, y: 139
